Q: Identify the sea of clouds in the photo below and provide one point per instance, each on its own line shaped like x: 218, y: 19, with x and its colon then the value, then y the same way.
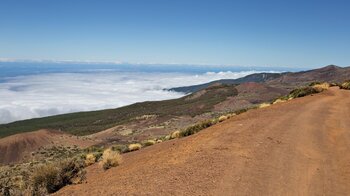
x: 31, y: 96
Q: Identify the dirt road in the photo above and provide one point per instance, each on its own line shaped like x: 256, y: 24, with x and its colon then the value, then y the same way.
x: 301, y: 147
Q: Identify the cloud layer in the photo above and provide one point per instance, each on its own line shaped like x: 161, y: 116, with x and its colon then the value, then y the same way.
x: 25, y: 97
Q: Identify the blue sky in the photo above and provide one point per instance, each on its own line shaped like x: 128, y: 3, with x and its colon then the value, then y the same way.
x: 247, y: 33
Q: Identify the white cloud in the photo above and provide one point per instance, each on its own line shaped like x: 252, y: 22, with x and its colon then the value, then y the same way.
x: 25, y: 97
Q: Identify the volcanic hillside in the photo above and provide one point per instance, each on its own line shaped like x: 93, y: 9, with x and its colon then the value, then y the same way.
x: 287, y: 80
x: 278, y: 150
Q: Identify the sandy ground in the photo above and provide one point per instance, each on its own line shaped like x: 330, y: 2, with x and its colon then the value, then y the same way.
x: 300, y: 147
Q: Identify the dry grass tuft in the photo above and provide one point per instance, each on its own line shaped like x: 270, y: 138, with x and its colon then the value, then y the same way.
x: 159, y: 141
x: 321, y: 87
x: 223, y: 118
x: 134, y: 147
x: 149, y: 142
x: 175, y: 134
x: 110, y: 159
x: 231, y: 115
x: 167, y: 137
x: 345, y: 85
x: 90, y: 159
x: 279, y: 101
x: 264, y: 105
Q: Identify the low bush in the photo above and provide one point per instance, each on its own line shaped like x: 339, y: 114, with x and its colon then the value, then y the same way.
x: 315, y: 83
x: 345, y: 85
x: 264, y: 105
x: 148, y: 142
x: 50, y: 177
x: 175, y: 134
x: 134, y: 147
x: 279, y: 100
x: 90, y: 159
x: 303, y: 91
x: 333, y: 84
x: 321, y: 86
x: 121, y: 148
x: 196, y: 128
x: 167, y: 137
x: 223, y: 118
x: 241, y: 111
x: 110, y: 159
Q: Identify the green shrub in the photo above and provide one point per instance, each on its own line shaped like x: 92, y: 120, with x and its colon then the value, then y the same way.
x: 301, y: 92
x: 345, y: 85
x: 148, y: 142
x: 93, y: 149
x: 120, y: 148
x: 196, y: 128
x: 314, y: 83
x: 241, y: 111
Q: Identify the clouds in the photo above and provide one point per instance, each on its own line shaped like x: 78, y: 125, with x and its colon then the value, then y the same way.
x: 32, y: 96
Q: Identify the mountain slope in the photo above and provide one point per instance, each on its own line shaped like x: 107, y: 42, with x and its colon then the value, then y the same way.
x: 18, y: 147
x: 279, y: 150
x: 84, y: 123
x: 258, y: 77
x: 329, y: 73
x: 287, y: 80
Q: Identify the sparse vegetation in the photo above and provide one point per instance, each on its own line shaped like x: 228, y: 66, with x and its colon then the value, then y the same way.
x: 242, y: 111
x: 120, y: 148
x: 51, y: 177
x: 303, y: 91
x: 110, y: 159
x: 264, y: 105
x: 134, y: 147
x: 223, y: 118
x: 90, y: 159
x: 321, y: 86
x: 148, y: 142
x: 196, y: 128
x: 175, y: 134
x: 279, y: 100
x: 345, y: 85
x: 313, y: 88
x: 167, y: 137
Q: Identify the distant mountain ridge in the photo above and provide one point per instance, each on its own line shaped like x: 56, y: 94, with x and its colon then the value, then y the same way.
x: 257, y: 77
x: 330, y: 73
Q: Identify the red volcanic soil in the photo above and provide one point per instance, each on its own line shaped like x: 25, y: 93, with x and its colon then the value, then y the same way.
x: 300, y: 147
x: 16, y: 147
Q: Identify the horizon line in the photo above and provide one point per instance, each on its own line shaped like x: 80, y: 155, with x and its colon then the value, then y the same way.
x: 96, y: 62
